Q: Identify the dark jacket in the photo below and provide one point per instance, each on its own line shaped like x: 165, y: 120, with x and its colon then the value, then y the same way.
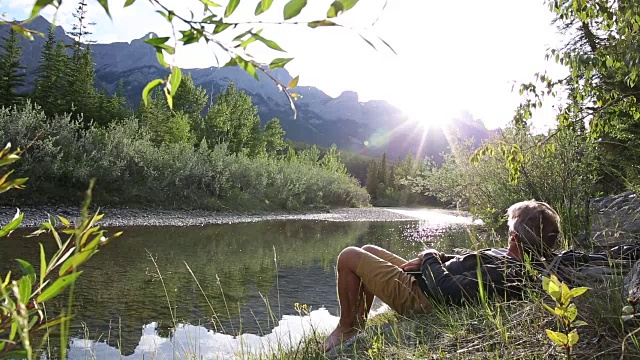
x: 454, y: 279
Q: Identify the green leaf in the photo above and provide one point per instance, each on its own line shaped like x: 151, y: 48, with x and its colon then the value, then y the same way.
x: 15, y: 222
x: 157, y: 41
x: 150, y: 86
x: 340, y: 6
x: 129, y: 3
x: 11, y: 184
x: 628, y: 309
x: 24, y: 288
x: 9, y: 159
x: 578, y: 291
x: 105, y: 6
x: 293, y: 83
x: 43, y: 264
x: 279, y: 63
x: 263, y: 6
x: 247, y: 66
x: 64, y: 221
x: 318, y: 23
x: 231, y: 7
x: 270, y: 43
x: 548, y: 308
x: 578, y: 323
x: 558, y: 311
x: 572, y: 312
x: 176, y: 78
x: 293, y: 8
x: 38, y: 6
x: 573, y: 338
x: 559, y: 338
x: 54, y: 322
x: 28, y: 270
x: 565, y: 294
x: 335, y: 9
x: 54, y: 289
x: 220, y: 28
x: 554, y: 291
x: 76, y: 260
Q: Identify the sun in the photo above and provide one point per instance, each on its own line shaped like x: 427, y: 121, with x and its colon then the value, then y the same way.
x: 428, y: 114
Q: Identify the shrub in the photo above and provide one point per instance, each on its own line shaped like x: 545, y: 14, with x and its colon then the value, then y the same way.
x: 131, y: 169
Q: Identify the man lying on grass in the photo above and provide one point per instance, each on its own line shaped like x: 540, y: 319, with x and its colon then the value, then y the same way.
x: 449, y: 279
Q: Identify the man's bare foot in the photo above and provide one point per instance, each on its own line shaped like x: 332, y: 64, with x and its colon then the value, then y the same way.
x: 338, y: 336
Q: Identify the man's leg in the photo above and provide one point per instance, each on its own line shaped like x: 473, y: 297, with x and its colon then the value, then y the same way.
x: 367, y: 295
x: 363, y: 274
x: 350, y: 293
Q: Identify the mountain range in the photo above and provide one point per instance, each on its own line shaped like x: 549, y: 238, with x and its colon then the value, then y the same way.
x: 370, y: 127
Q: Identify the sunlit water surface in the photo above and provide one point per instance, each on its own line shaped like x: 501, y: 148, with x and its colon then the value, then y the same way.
x: 233, y: 289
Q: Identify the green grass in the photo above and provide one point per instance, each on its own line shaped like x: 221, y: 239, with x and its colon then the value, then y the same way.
x: 509, y: 330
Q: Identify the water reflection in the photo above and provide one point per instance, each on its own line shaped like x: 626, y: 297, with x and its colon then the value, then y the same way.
x: 191, y: 341
x: 249, y: 276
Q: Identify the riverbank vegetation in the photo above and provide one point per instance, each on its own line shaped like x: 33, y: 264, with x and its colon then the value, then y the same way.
x: 205, y: 152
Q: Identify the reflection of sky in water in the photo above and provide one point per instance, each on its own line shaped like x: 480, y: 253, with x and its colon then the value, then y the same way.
x: 191, y: 341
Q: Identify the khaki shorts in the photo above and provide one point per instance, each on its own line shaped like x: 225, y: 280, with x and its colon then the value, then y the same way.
x: 399, y: 290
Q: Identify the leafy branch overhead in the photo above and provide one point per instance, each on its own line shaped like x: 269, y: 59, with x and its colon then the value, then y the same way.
x: 208, y: 27
x: 600, y: 94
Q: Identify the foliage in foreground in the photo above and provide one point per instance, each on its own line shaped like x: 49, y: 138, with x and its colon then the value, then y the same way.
x: 23, y: 313
x: 130, y: 169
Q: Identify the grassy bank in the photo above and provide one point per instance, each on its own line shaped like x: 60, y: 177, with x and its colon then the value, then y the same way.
x: 512, y: 330
x: 62, y: 155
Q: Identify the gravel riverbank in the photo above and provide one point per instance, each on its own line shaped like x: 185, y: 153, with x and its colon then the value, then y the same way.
x: 120, y: 217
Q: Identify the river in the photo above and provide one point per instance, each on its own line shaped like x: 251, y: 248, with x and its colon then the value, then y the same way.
x: 224, y: 290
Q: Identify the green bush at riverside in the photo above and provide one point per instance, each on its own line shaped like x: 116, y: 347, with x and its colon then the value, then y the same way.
x: 130, y: 169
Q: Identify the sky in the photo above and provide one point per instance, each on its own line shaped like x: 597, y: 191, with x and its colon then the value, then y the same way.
x: 452, y: 56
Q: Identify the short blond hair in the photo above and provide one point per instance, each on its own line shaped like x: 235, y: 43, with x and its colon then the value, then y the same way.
x: 536, y: 224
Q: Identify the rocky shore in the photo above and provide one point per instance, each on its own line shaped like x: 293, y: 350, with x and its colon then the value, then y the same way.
x: 615, y: 218
x: 120, y: 217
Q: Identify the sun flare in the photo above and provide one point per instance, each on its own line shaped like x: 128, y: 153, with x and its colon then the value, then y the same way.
x: 429, y: 114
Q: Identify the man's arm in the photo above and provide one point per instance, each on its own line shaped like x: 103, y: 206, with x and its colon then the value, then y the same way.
x: 453, y: 289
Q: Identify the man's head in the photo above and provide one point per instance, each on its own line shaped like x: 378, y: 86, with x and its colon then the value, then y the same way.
x: 534, y: 226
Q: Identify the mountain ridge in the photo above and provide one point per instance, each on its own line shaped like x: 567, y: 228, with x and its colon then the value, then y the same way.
x: 369, y: 127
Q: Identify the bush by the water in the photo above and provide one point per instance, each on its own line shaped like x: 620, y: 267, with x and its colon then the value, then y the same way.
x: 62, y: 155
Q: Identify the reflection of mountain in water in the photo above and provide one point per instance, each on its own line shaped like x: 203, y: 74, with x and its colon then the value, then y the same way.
x: 198, y: 342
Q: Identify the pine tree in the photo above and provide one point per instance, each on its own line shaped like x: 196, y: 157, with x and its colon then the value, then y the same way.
x: 80, y: 94
x: 372, y: 180
x: 11, y: 75
x: 392, y: 178
x: 51, y: 75
x: 382, y: 170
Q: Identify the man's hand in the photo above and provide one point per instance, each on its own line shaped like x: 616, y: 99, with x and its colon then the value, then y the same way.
x: 414, y: 264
